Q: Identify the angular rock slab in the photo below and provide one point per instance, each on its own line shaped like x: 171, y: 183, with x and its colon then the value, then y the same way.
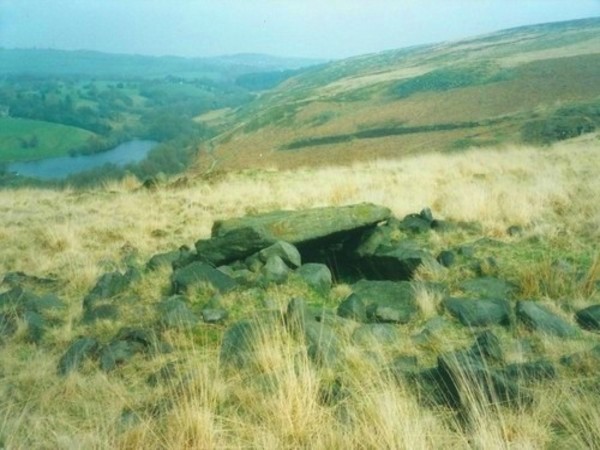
x: 589, y: 318
x: 234, y: 244
x: 482, y: 312
x: 387, y: 301
x: 540, y: 318
x: 76, y: 354
x: 398, y: 263
x: 317, y: 276
x: 199, y: 273
x: 307, y: 225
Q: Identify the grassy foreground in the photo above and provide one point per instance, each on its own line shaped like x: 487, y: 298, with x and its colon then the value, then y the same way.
x: 77, y: 235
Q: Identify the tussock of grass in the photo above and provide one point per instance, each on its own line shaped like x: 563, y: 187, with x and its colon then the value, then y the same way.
x: 75, y: 236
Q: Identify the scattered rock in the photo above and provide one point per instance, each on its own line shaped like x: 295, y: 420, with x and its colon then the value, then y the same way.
x: 318, y: 276
x: 387, y: 301
x: 482, y: 312
x: 199, y: 274
x: 109, y: 285
x: 275, y: 270
x: 174, y: 313
x: 8, y: 325
x: 398, y: 264
x: 583, y: 362
x: 36, y: 326
x: 233, y: 245
x: 487, y: 347
x: 214, y: 315
x: 539, y: 318
x: 376, y: 334
x: 117, y: 353
x: 488, y: 287
x: 164, y: 375
x: 76, y: 354
x: 287, y: 252
x: 589, y: 318
x: 168, y: 259
x: 529, y: 372
x: 323, y: 346
x: 446, y: 258
x: 353, y: 308
x: 101, y: 312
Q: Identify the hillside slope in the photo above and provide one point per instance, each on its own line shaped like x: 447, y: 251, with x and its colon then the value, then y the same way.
x: 536, y: 84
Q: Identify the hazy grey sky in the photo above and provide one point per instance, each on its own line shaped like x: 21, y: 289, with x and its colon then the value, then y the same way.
x: 312, y: 28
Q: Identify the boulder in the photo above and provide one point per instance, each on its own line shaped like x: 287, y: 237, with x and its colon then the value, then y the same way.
x: 109, y: 285
x: 287, y: 252
x: 466, y: 379
x: 322, y: 345
x: 174, y: 313
x: 488, y: 287
x: 242, y: 339
x: 275, y: 270
x: 309, y: 224
x: 589, y: 318
x: 234, y: 244
x: 198, y: 274
x: 214, y: 315
x: 387, y: 301
x: 8, y: 325
x: 101, y: 312
x: 353, y: 308
x: 482, y: 312
x: 167, y: 259
x: 397, y: 264
x: 76, y: 354
x: 529, y: 372
x: 16, y: 299
x: 376, y: 334
x: 117, y: 353
x: 539, y: 318
x: 446, y: 258
x: 317, y: 276
x: 36, y: 326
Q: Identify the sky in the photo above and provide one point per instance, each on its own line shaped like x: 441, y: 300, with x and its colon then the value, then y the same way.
x: 326, y: 29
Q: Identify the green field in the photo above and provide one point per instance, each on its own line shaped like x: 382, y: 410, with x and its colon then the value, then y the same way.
x: 24, y: 139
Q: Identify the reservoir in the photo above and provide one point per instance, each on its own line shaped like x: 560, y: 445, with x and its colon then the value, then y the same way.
x: 60, y: 168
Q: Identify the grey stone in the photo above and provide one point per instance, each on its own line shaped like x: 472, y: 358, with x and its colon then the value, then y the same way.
x: 399, y: 263
x: 317, y: 276
x: 165, y: 374
x: 403, y: 365
x: 323, y: 346
x: 174, y: 313
x: 307, y: 225
x: 117, y: 353
x: 75, y: 355
x: 234, y: 244
x: 200, y: 274
x: 488, y: 287
x: 242, y: 339
x: 163, y: 260
x: 8, y: 325
x: 539, y: 318
x: 36, y: 326
x: 529, y: 372
x: 583, y: 362
x: 464, y: 377
x: 297, y: 315
x: 214, y: 315
x: 387, y: 301
x: 275, y: 270
x: 482, y: 312
x: 109, y: 285
x: 415, y: 223
x: 376, y: 333
x: 487, y: 347
x: 353, y: 308
x: 287, y: 252
x: 101, y: 312
x: 589, y: 318
x: 446, y: 258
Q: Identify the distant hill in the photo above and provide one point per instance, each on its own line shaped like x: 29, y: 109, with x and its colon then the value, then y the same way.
x: 40, y: 62
x: 536, y: 84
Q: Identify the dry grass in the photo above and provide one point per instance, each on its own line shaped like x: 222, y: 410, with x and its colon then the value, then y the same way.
x: 75, y: 236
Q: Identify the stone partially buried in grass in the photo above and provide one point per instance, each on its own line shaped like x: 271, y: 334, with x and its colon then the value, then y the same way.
x: 317, y: 276
x: 76, y: 354
x: 488, y: 287
x: 387, y: 301
x: 541, y: 319
x: 482, y: 312
x: 199, y: 274
x: 589, y: 318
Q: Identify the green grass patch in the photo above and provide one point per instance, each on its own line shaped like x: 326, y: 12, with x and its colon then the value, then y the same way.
x: 24, y: 139
x: 449, y: 78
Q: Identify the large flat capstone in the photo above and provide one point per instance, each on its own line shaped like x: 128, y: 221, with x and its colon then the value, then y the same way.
x: 308, y: 224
